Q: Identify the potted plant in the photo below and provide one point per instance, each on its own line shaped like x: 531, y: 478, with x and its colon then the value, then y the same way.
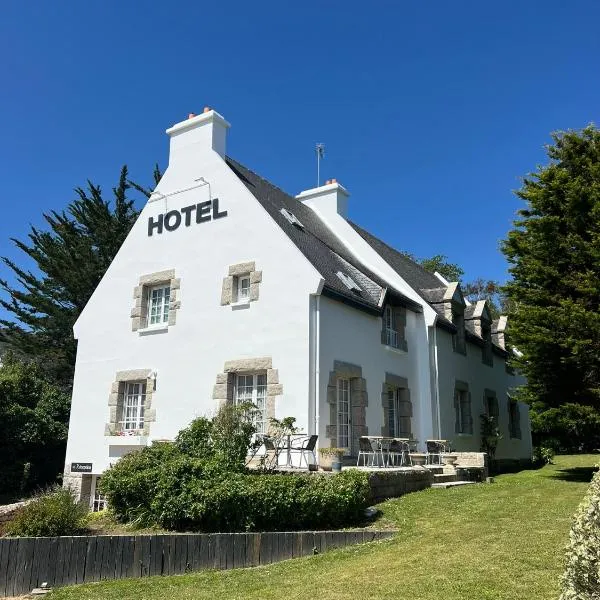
x: 331, y: 459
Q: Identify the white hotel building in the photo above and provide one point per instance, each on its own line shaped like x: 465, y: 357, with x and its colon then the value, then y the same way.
x: 228, y: 289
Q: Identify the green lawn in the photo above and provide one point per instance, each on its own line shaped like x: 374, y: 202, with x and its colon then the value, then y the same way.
x: 501, y: 540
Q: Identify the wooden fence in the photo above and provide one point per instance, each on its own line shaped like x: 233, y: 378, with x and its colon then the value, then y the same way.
x: 25, y: 563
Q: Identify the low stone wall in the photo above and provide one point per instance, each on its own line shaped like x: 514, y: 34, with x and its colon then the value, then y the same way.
x: 510, y: 465
x: 476, y: 461
x: 392, y: 483
x: 8, y: 511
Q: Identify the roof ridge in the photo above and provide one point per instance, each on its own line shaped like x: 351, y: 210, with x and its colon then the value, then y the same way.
x: 399, y: 253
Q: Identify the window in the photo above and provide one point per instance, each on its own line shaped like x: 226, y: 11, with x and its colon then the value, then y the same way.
x: 458, y: 339
x: 158, y: 305
x: 98, y: 499
x: 243, y: 288
x: 486, y: 352
x: 514, y: 419
x: 252, y: 388
x: 491, y: 405
x: 462, y: 407
x: 133, y: 407
x: 394, y: 318
x: 399, y: 413
x: 291, y: 217
x: 343, y: 414
x: 348, y: 282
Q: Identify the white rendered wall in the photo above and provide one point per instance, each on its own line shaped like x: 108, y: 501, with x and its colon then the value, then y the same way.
x: 454, y: 366
x: 189, y: 355
x: 353, y: 336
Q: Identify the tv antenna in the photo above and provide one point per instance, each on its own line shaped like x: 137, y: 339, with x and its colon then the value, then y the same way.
x: 320, y: 150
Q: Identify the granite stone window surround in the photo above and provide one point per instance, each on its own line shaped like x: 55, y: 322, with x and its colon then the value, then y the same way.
x: 358, y: 398
x: 117, y: 396
x: 141, y: 292
x: 231, y: 287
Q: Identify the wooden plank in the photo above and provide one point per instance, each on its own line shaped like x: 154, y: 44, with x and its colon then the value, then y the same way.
x: 203, y: 559
x: 169, y: 553
x: 17, y: 568
x: 90, y: 555
x: 127, y: 558
x: 66, y: 546
x: 136, y: 560
x: 252, y: 549
x: 78, y: 558
x: 287, y: 550
x: 226, y: 551
x: 31, y: 566
x: 152, y: 555
x: 266, y: 548
x: 118, y: 558
x: 239, y: 550
x: 216, y: 546
x: 4, y: 560
x: 102, y: 556
x: 181, y: 559
x: 10, y: 571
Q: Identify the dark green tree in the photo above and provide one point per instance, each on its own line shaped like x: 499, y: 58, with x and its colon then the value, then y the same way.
x: 439, y: 263
x: 34, y: 418
x: 554, y: 253
x: 70, y: 258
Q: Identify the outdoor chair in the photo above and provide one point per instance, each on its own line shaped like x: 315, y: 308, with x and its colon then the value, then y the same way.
x: 272, y: 452
x: 434, y: 452
x: 399, y: 453
x: 370, y: 456
x: 306, y: 448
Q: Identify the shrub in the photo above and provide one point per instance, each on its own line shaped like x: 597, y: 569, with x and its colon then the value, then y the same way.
x: 568, y: 428
x: 543, y: 455
x: 53, y: 513
x: 581, y: 579
x: 200, y: 483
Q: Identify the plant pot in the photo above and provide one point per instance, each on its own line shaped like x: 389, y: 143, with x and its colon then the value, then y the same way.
x: 313, y: 467
x: 336, y: 465
x: 449, y: 459
x: 418, y: 459
x: 325, y: 462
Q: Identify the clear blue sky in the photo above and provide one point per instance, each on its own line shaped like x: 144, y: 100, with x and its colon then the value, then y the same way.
x: 430, y: 111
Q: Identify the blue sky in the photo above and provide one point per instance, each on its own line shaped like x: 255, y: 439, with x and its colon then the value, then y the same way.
x: 430, y: 111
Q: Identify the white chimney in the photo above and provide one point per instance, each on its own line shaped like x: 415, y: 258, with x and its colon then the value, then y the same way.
x: 198, y: 134
x: 327, y: 200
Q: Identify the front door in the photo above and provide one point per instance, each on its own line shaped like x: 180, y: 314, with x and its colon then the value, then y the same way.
x: 344, y: 424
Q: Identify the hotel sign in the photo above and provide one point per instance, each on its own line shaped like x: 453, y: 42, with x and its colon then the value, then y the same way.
x: 198, y: 213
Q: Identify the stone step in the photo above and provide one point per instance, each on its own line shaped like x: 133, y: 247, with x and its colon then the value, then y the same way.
x: 444, y: 477
x: 448, y: 484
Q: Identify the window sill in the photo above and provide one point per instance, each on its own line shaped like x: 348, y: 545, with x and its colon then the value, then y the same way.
x: 240, y: 305
x: 162, y: 328
x: 395, y: 350
x: 464, y: 434
x: 127, y: 440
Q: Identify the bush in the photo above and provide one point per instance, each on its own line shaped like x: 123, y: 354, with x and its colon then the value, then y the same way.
x: 568, y: 428
x: 581, y: 580
x: 200, y: 483
x: 53, y: 513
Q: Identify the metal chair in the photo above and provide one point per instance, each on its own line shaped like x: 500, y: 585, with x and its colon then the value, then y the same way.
x: 370, y: 456
x: 307, y: 446
x: 272, y: 453
x: 434, y: 452
x: 400, y: 450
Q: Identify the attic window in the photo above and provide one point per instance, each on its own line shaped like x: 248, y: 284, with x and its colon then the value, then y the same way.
x: 348, y: 282
x: 291, y: 217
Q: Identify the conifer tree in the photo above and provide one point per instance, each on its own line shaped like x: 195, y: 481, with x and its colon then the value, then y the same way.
x: 554, y: 253
x: 70, y: 258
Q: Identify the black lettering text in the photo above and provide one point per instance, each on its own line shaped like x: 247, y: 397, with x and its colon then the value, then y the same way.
x: 158, y: 224
x: 203, y: 212
x: 187, y: 211
x: 172, y: 220
x: 216, y: 213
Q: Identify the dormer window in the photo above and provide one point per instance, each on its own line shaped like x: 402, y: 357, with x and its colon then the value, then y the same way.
x: 393, y: 327
x: 458, y: 338
x: 486, y: 352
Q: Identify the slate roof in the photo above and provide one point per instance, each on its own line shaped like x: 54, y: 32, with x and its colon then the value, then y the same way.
x: 320, y: 246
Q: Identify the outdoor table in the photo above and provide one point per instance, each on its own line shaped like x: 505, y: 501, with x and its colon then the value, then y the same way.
x: 384, y: 443
x: 288, y: 446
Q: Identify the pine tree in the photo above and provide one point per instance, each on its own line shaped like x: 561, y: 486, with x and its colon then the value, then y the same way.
x: 554, y: 252
x: 70, y: 258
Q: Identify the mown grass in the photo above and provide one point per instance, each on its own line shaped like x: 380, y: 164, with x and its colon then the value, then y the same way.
x: 490, y: 541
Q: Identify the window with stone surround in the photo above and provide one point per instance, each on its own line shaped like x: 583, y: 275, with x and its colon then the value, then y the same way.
x: 251, y: 388
x: 393, y: 327
x: 130, y: 403
x: 347, y: 398
x: 242, y: 284
x: 490, y: 403
x: 250, y: 380
x: 462, y: 409
x: 397, y: 407
x: 156, y: 300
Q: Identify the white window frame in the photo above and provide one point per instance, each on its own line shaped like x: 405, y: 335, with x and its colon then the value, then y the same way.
x: 252, y: 387
x: 134, y: 399
x: 98, y: 501
x: 160, y: 303
x: 392, y: 335
x: 242, y: 290
x: 460, y: 416
x: 394, y: 401
x: 344, y: 414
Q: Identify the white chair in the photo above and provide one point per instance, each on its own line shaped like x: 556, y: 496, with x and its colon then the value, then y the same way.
x: 369, y: 454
